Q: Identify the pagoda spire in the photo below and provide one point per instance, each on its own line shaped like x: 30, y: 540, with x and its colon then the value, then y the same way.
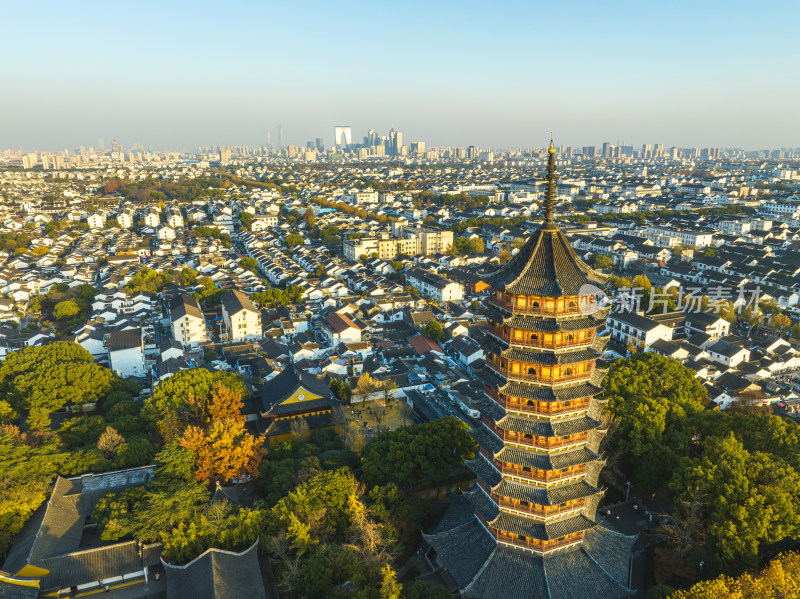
x: 550, y: 202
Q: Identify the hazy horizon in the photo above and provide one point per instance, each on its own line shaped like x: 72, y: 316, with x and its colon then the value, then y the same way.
x: 500, y: 75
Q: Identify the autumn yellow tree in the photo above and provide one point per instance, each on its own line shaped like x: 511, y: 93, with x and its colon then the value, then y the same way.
x: 224, y: 451
x: 780, y: 578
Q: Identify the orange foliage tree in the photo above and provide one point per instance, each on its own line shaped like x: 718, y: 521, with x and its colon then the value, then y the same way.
x: 224, y: 451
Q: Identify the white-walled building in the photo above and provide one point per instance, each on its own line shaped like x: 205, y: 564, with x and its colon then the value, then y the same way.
x: 242, y: 319
x: 187, y: 321
x: 339, y: 328
x: 433, y: 287
x: 126, y: 352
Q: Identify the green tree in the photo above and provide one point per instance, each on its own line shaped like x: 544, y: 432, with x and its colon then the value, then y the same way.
x: 309, y: 217
x: 188, y: 276
x: 749, y: 496
x: 341, y: 389
x: 249, y: 264
x: 651, y: 398
x: 246, y: 219
x: 186, y: 398
x: 66, y: 310
x: 38, y: 380
x: 418, y: 454
x: 602, y: 262
x: 293, y: 240
x: 28, y: 462
x: 316, y: 511
x: 434, y: 330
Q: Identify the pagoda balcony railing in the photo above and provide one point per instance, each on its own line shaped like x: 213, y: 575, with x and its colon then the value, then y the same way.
x: 549, y: 443
x: 563, y: 344
x: 543, y: 408
x: 513, y: 306
x: 539, y: 510
x: 546, y: 476
x: 537, y: 378
x: 536, y: 441
x: 537, y: 546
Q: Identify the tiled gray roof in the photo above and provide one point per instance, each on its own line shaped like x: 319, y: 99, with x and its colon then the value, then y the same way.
x: 519, y: 525
x: 485, y: 471
x: 82, y: 567
x: 549, y: 358
x: 544, y: 495
x: 546, y: 461
x: 509, y: 573
x: 463, y: 549
x: 573, y: 574
x: 547, y: 265
x: 558, y: 428
x: 547, y: 325
x: 216, y: 574
x: 610, y: 550
x: 524, y: 391
x: 460, y: 511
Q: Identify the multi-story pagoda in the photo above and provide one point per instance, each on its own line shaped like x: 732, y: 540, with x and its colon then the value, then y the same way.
x: 530, y: 528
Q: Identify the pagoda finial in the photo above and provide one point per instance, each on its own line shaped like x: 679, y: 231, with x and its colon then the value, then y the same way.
x: 550, y: 202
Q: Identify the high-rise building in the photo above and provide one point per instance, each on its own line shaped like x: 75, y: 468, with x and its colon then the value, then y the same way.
x: 342, y: 136
x: 372, y: 138
x: 395, y: 142
x: 319, y: 145
x: 530, y: 528
x: 280, y: 137
x: 224, y: 156
x: 417, y: 147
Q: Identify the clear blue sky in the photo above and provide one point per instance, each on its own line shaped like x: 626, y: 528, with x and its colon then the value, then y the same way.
x: 174, y: 74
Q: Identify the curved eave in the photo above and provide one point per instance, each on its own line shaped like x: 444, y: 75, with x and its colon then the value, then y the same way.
x: 546, y: 496
x: 525, y: 391
x: 519, y: 525
x: 549, y: 357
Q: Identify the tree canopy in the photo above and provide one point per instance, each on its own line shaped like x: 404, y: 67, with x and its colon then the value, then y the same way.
x: 651, y: 397
x: 36, y: 381
x: 419, y: 454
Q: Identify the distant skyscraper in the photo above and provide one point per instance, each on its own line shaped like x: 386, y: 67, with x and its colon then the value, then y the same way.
x: 418, y: 147
x: 395, y: 142
x: 280, y: 137
x: 342, y: 136
x: 101, y: 144
x: 372, y: 138
x: 269, y: 140
x: 320, y: 145
x: 224, y: 156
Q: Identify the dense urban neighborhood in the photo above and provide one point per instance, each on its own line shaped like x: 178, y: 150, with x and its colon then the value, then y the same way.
x: 390, y: 371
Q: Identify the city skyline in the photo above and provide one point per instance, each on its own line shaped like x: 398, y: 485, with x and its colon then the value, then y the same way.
x: 183, y: 75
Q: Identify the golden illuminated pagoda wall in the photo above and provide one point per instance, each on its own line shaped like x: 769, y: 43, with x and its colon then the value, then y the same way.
x: 543, y: 429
